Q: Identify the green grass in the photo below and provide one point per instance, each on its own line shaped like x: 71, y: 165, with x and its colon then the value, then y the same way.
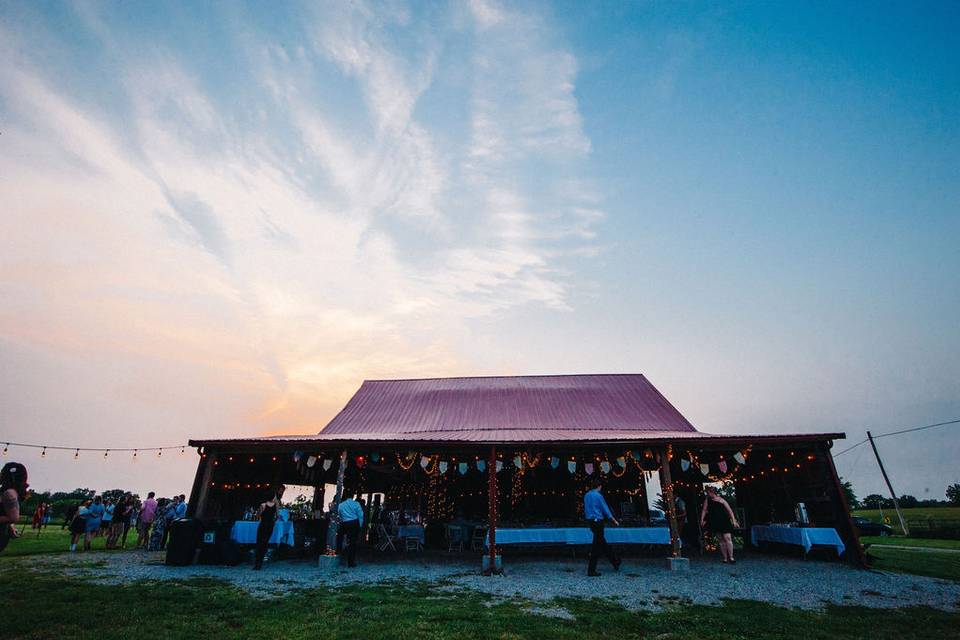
x: 53, y: 540
x: 901, y: 541
x: 917, y: 513
x: 50, y: 605
x: 921, y: 563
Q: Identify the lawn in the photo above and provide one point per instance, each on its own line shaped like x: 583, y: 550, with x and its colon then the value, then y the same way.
x: 922, y: 563
x: 901, y: 541
x: 53, y: 540
x: 50, y: 605
x: 918, y: 513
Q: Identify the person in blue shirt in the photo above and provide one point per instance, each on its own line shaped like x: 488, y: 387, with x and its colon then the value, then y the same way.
x: 351, y: 523
x: 181, y: 509
x: 596, y: 511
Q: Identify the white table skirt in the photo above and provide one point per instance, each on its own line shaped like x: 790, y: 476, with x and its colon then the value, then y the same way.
x: 583, y: 535
x: 245, y: 532
x: 805, y: 537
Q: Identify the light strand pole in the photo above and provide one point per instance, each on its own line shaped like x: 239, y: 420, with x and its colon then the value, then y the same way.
x: 491, y: 568
x: 334, y: 518
x: 893, y: 494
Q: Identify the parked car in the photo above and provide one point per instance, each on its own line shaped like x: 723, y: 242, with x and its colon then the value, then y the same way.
x: 868, y: 527
x: 657, y: 518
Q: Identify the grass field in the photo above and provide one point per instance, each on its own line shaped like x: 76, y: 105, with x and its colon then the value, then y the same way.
x: 52, y: 540
x: 50, y: 605
x: 902, y: 541
x: 919, y: 513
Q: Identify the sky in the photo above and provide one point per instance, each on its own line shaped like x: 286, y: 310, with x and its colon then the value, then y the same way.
x: 217, y: 219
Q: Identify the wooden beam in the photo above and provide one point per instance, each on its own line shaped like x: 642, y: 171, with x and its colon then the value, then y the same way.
x: 337, y: 497
x: 197, y: 505
x: 845, y: 506
x: 492, y: 491
x: 666, y: 489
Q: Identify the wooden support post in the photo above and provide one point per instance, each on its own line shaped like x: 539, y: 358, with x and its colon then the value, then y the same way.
x: 666, y: 489
x: 492, y: 491
x: 852, y: 531
x: 337, y: 496
x: 893, y: 494
x: 201, y: 487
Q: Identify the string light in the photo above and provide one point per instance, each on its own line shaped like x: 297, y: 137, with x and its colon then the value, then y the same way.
x: 5, y: 447
x: 76, y: 454
x: 105, y: 454
x: 43, y: 454
x: 134, y: 455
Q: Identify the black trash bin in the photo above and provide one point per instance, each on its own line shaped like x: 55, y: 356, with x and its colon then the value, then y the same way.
x: 182, y: 545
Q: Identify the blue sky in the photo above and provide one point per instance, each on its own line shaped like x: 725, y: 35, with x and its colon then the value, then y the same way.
x: 218, y: 219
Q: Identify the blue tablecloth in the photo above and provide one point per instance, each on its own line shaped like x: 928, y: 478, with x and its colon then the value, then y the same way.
x: 411, y: 531
x: 805, y: 537
x: 583, y: 535
x: 245, y: 532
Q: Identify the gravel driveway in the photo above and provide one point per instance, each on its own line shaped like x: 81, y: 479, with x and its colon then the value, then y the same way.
x: 642, y: 583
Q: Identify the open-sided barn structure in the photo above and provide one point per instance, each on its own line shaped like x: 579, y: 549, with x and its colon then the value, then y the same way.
x: 521, y: 450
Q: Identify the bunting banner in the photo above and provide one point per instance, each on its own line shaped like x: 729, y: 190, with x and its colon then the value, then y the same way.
x: 297, y: 455
x: 554, y: 462
x: 443, y: 466
x: 684, y: 464
x: 704, y: 468
x: 622, y: 462
x: 424, y: 462
x: 462, y: 468
x: 481, y: 465
x: 572, y: 466
x: 739, y: 457
x: 722, y: 465
x: 327, y: 464
x: 605, y: 466
x: 499, y: 466
x: 517, y: 462
x: 588, y: 467
x: 312, y: 460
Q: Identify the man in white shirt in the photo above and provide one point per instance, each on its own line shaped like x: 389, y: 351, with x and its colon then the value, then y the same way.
x: 351, y: 521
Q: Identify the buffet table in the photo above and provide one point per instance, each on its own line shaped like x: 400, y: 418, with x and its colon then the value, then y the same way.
x: 806, y: 537
x: 245, y: 532
x: 582, y: 535
x: 411, y: 531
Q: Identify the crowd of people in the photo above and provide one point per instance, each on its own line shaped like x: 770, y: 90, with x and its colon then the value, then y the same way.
x: 113, y: 519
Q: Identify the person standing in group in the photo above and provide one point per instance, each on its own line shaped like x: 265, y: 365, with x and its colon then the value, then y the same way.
x: 350, y: 513
x: 120, y: 514
x: 680, y: 515
x: 181, y: 511
x: 78, y: 525
x: 268, y: 517
x: 148, y: 512
x: 596, y: 511
x: 169, y: 515
x: 719, y: 519
x: 159, y: 526
x: 133, y: 517
x: 94, y: 518
x: 37, y: 520
x: 69, y: 514
x: 47, y: 515
x: 13, y: 489
x: 107, y: 520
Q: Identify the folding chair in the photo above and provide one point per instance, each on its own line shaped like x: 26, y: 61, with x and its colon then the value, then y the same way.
x: 411, y: 543
x: 386, y: 540
x: 455, y: 537
x: 478, y: 542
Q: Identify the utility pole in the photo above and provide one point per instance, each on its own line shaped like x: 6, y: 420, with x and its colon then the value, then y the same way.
x: 893, y: 494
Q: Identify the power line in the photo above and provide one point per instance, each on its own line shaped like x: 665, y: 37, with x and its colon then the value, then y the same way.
x: 896, y: 433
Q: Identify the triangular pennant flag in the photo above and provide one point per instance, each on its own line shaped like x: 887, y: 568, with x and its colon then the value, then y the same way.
x: 443, y: 466
x: 572, y: 466
x: 499, y: 465
x: 375, y: 456
x: 722, y: 465
x: 312, y: 460
x: 517, y: 462
x: 327, y: 464
x: 424, y: 462
x: 704, y: 468
x: 684, y: 464
x: 481, y: 465
x: 739, y: 457
x: 554, y: 462
x: 588, y: 467
x: 605, y: 466
x: 462, y: 468
x: 622, y: 462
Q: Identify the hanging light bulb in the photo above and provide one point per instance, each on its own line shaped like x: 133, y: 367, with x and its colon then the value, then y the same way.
x: 76, y: 454
x: 105, y: 453
x: 181, y: 450
x: 43, y: 454
x: 5, y: 447
x: 159, y: 452
x: 134, y: 454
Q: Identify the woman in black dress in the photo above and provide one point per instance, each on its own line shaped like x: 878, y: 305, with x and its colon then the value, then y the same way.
x: 268, y: 516
x: 717, y: 517
x: 13, y: 489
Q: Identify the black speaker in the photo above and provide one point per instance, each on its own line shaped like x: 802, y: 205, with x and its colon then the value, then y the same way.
x: 184, y: 536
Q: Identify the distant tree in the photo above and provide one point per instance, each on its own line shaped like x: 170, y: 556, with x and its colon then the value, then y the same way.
x: 908, y: 502
x: 847, y: 487
x: 873, y: 501
x: 953, y: 493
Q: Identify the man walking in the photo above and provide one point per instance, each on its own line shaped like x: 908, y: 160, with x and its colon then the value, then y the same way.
x: 596, y: 511
x: 351, y: 521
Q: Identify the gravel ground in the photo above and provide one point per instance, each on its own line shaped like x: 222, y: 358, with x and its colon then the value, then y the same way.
x: 642, y: 583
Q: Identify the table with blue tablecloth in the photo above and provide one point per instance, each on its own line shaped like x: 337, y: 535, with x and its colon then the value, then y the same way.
x: 806, y: 537
x: 411, y: 531
x: 245, y: 532
x: 582, y: 535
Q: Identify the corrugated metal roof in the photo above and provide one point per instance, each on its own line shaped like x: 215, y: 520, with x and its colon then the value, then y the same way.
x: 517, y: 408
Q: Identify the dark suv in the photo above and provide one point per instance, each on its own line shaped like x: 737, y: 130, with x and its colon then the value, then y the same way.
x: 870, y: 528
